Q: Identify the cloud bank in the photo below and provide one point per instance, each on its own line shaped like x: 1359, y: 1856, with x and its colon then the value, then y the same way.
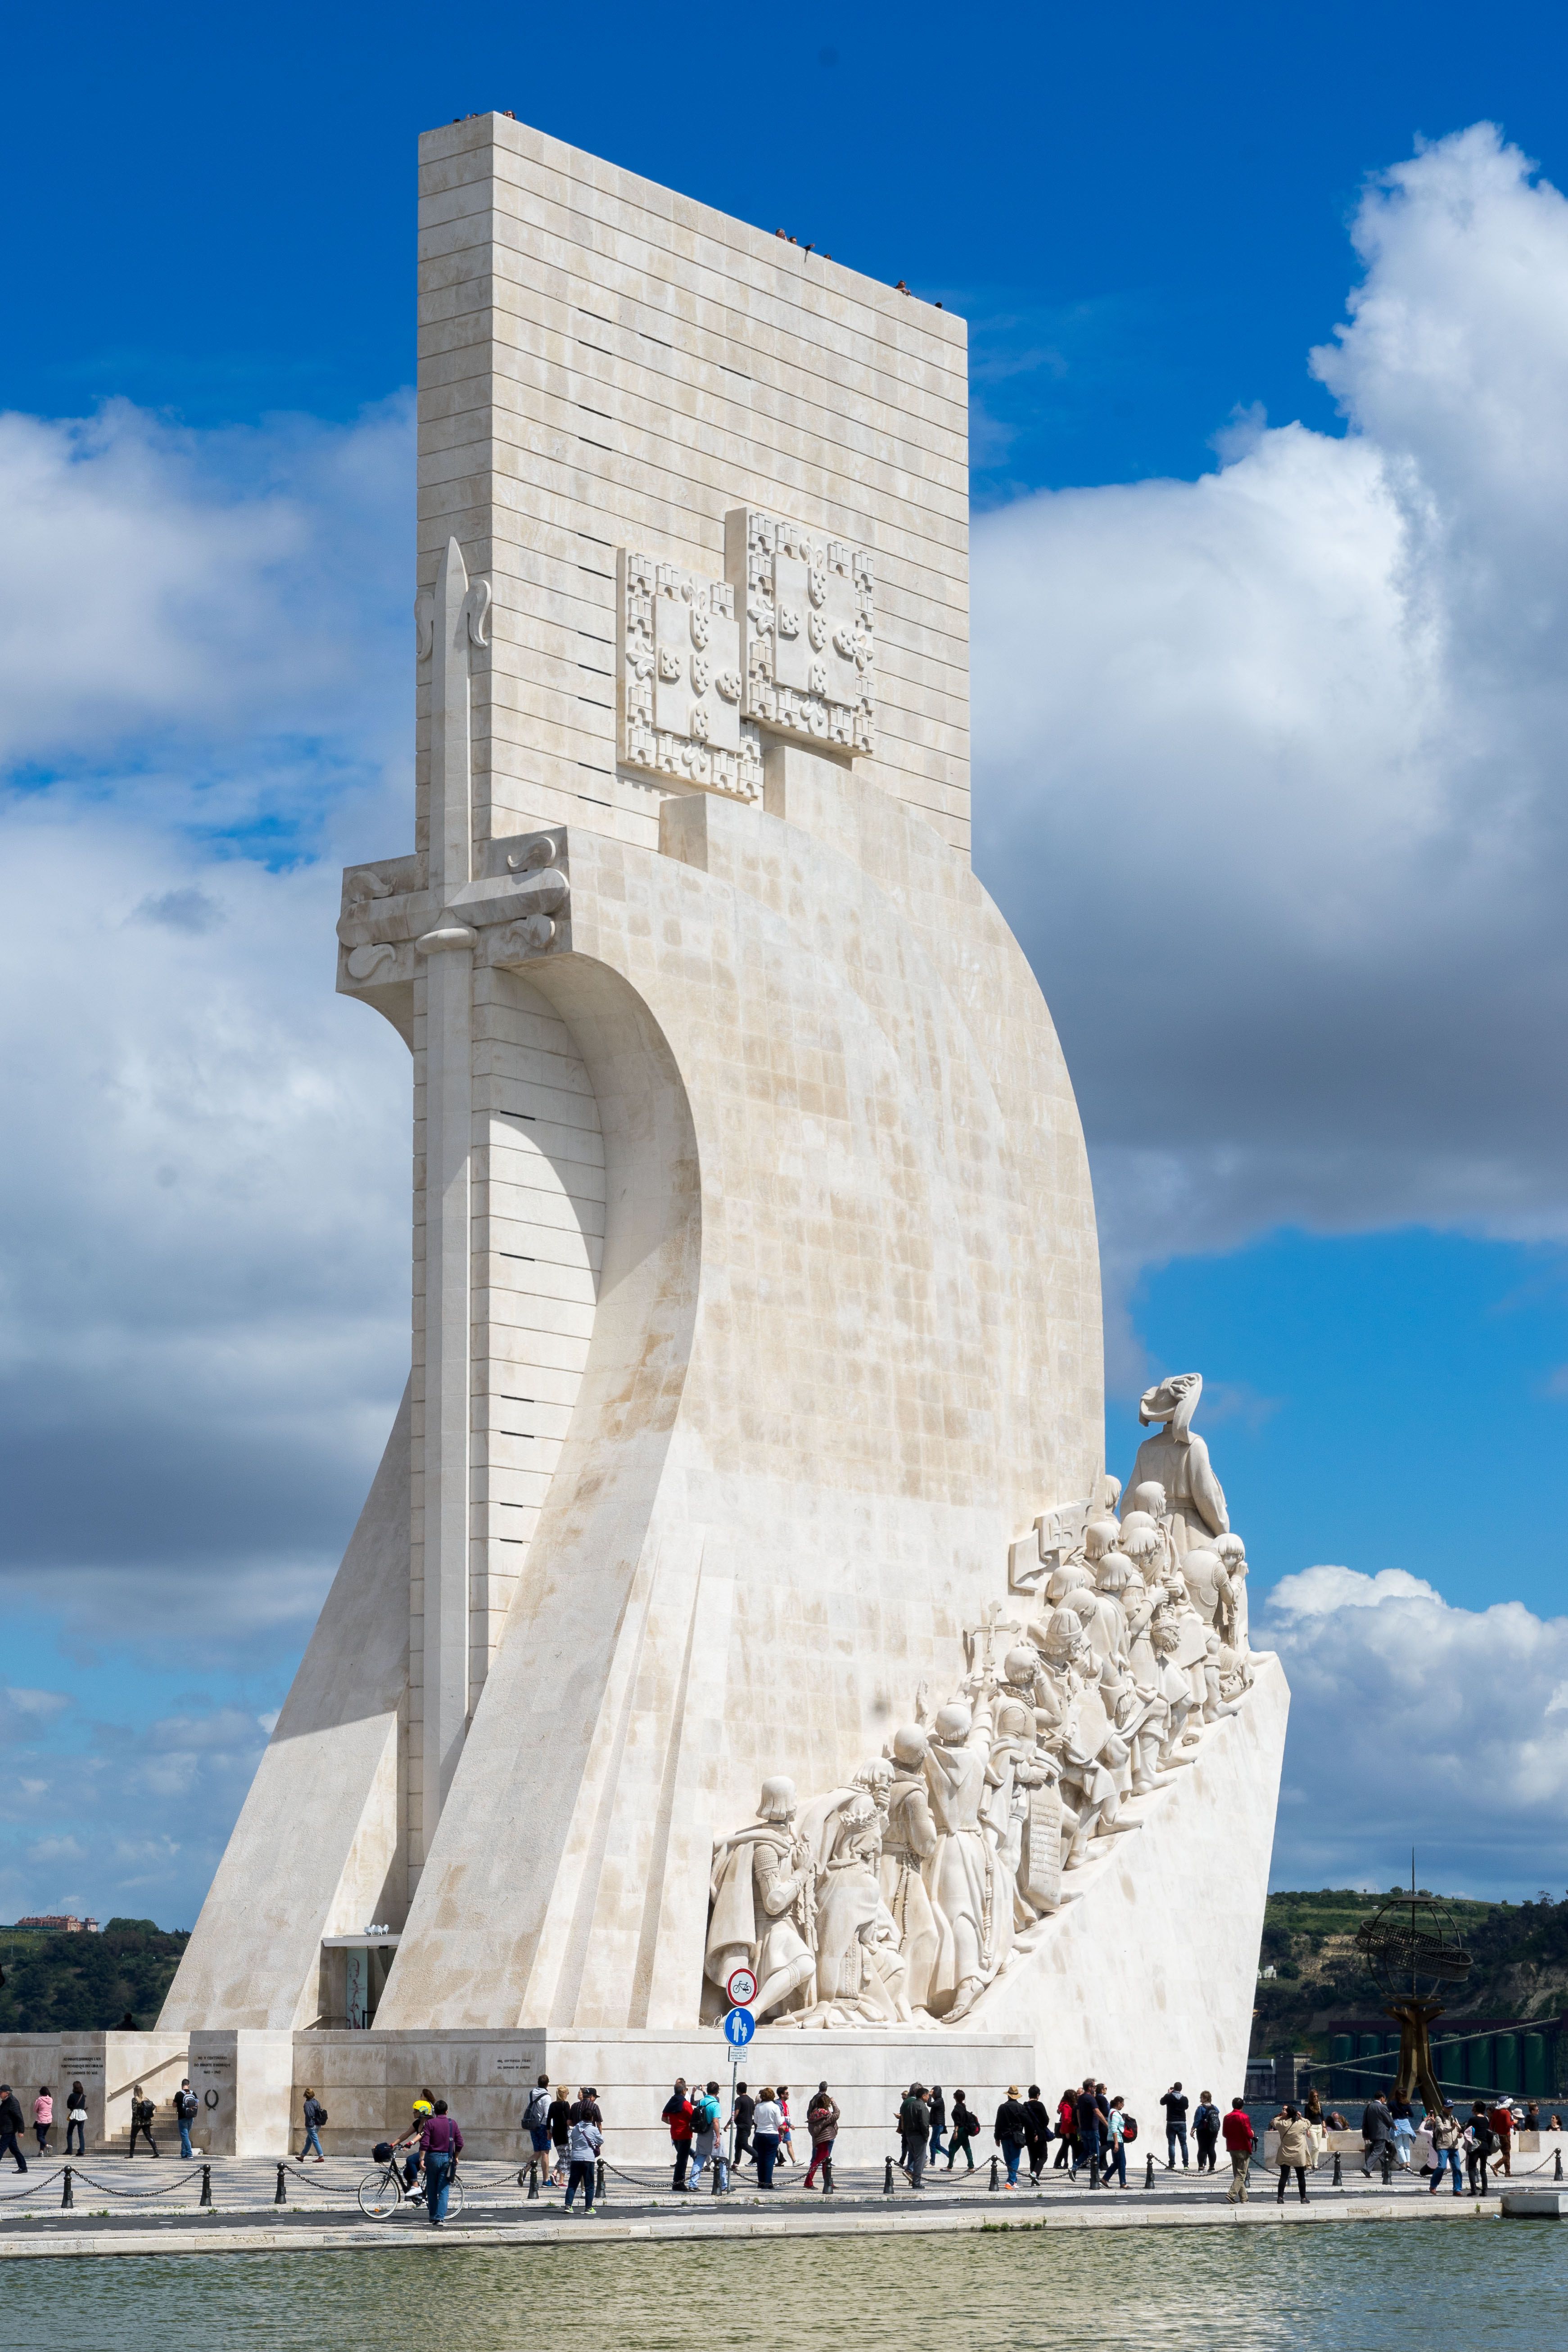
x: 1270, y: 764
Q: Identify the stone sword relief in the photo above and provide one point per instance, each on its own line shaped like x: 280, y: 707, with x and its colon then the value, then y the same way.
x: 903, y: 1897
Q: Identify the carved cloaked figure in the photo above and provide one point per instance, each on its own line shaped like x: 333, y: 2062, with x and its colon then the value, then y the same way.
x: 1177, y: 1460
x: 760, y: 1896
x: 973, y: 1908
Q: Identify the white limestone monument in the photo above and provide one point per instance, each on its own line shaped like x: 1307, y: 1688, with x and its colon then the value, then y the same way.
x: 741, y: 1583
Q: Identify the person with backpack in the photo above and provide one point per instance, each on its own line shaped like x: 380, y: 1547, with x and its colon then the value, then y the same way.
x: 821, y: 2122
x: 915, y: 2131
x: 1479, y: 2141
x: 536, y: 2125
x: 187, y: 2107
x: 1118, y: 2128
x: 315, y: 2115
x: 1037, y: 2133
x: 706, y: 2139
x: 1443, y: 2131
x: 1205, y: 2130
x: 582, y: 2145
x: 678, y: 2114
x: 12, y: 2124
x: 1067, y: 2132
x: 141, y: 2114
x: 1240, y: 2140
x: 965, y: 2123
x: 75, y: 2120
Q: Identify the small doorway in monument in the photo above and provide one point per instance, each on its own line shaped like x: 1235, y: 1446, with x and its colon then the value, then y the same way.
x: 356, y: 1974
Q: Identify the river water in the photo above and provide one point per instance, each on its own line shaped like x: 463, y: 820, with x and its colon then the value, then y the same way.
x: 1371, y: 2286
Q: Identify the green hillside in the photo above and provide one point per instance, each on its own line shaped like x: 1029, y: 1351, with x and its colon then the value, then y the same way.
x: 1519, y: 1952
x: 61, y: 1984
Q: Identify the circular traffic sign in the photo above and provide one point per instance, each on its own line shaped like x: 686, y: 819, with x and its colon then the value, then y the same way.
x: 738, y: 2027
x: 741, y: 1988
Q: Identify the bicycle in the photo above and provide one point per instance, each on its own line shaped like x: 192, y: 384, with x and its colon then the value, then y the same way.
x: 381, y: 2192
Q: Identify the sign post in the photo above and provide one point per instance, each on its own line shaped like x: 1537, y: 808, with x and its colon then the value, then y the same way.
x: 739, y: 2027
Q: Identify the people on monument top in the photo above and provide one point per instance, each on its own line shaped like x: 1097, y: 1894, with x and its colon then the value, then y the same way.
x: 1240, y: 2139
x: 766, y: 2125
x: 678, y: 2114
x: 440, y: 2144
x: 1205, y: 2130
x: 961, y: 2132
x: 1174, y: 2103
x: 1292, y: 2150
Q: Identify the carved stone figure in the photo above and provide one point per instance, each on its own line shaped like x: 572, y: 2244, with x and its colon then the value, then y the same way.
x: 1176, y: 1460
x: 761, y: 1896
x: 974, y: 1925
x: 909, y: 1841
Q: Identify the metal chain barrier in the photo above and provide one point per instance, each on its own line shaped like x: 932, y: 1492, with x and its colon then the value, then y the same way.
x: 15, y: 2196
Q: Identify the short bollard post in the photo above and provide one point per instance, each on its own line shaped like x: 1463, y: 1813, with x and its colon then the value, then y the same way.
x: 67, y: 2196
x: 1339, y: 2179
x: 713, y: 2174
x: 533, y: 2181
x: 1557, y: 2174
x: 827, y: 2175
x: 1149, y: 2172
x: 206, y: 2196
x: 599, y: 2182
x: 1094, y: 2167
x: 996, y: 2183
x: 888, y: 2179
x: 1387, y: 2163
x: 282, y: 2195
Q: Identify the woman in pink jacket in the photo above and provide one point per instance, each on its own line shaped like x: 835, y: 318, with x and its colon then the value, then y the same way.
x: 43, y: 2116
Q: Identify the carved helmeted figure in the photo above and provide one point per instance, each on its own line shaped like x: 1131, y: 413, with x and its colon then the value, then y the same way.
x: 909, y: 1841
x: 760, y: 1895
x: 974, y: 1910
x: 1089, y: 1759
x: 860, y: 1970
x: 1178, y: 1461
x: 1016, y: 1767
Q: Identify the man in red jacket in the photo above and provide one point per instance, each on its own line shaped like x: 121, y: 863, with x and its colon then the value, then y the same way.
x: 1240, y: 2140
x: 678, y: 2114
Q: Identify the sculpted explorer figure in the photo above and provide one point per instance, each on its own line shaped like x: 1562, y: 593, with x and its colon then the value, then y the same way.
x: 1176, y: 1460
x: 761, y: 1897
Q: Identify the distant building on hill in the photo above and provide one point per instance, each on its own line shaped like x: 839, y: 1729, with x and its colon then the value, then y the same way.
x: 63, y: 1923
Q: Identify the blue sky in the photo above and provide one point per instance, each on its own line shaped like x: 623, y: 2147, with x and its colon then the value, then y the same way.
x: 1270, y: 616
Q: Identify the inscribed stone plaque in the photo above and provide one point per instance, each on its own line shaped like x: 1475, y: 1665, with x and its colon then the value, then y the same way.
x: 679, y: 685
x: 1042, y: 1870
x: 807, y: 629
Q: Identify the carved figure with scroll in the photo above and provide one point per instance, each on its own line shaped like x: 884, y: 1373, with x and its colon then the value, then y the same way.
x: 760, y: 1899
x: 859, y: 1971
x: 974, y: 1922
x: 1177, y: 1460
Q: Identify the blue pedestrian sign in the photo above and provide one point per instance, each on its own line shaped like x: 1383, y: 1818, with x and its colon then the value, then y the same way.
x: 738, y: 2027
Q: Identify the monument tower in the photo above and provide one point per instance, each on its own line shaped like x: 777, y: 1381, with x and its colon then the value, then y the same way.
x: 756, y: 1394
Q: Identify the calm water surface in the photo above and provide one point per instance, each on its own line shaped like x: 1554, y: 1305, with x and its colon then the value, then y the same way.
x: 1366, y: 2286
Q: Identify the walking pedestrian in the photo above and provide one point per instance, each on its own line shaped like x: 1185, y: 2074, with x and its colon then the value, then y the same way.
x: 786, y: 2139
x: 75, y: 2120
x: 12, y: 2123
x: 741, y: 2116
x: 1205, y: 2130
x: 1067, y: 2132
x: 938, y: 2107
x: 821, y: 2122
x: 965, y: 2123
x: 1037, y: 2133
x: 1503, y: 2125
x: 1479, y: 2139
x: 767, y: 2125
x: 536, y: 2125
x: 1313, y: 2113
x: 1292, y: 2151
x: 706, y: 2136
x: 678, y: 2114
x: 1443, y: 2131
x: 43, y: 2117
x: 1176, y: 2102
x: 440, y: 2145
x: 1404, y: 2131
x: 584, y: 2142
x: 1240, y: 2140
x: 1116, y: 2140
x: 187, y: 2107
x: 914, y: 2130
x: 558, y: 2119
x: 315, y: 2115
x: 1010, y: 2130
x: 141, y: 2113
x: 1376, y: 2133
x: 1089, y: 2130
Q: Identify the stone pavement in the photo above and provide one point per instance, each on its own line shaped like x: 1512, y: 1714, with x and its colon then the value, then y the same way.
x: 152, y: 2208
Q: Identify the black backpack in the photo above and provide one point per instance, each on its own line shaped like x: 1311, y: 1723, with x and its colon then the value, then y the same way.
x: 1130, y: 2129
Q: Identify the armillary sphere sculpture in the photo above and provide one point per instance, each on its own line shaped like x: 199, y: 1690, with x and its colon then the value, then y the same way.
x: 1414, y: 1955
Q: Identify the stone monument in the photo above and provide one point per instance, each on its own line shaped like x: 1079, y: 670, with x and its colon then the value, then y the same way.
x: 689, y: 1621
